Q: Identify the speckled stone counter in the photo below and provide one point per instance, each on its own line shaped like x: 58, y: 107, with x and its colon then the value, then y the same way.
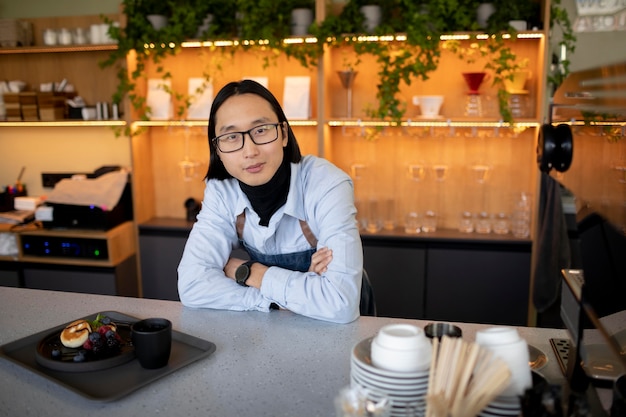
x: 266, y: 364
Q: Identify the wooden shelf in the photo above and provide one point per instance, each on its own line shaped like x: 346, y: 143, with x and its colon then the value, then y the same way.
x: 64, y: 123
x: 57, y: 49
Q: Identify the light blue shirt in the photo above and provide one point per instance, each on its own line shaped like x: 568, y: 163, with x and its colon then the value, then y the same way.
x: 319, y: 193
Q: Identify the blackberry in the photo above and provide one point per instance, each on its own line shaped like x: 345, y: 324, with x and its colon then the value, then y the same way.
x: 113, y: 343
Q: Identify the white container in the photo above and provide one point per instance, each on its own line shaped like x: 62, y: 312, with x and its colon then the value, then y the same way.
x: 506, y: 344
x: 49, y: 37
x: 373, y: 16
x: 95, y: 35
x: 65, y: 37
x: 301, y: 19
x: 483, y: 12
x: 157, y: 21
x: 401, y: 348
x: 429, y: 105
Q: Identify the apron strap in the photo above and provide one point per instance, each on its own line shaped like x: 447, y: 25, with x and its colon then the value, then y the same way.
x: 308, y: 234
x: 306, y: 230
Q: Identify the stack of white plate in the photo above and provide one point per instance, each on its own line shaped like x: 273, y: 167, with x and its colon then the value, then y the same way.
x: 405, y: 390
x: 502, y: 406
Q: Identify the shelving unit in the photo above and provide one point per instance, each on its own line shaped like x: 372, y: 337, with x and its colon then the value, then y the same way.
x: 387, y: 150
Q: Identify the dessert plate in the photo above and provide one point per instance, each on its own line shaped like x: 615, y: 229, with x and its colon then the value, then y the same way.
x: 114, y: 382
x: 66, y: 363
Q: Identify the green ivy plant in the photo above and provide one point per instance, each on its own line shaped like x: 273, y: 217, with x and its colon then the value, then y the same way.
x: 559, y: 18
x: 153, y: 46
x: 265, y: 24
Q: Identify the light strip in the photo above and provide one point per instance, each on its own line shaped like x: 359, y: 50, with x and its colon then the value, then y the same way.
x: 62, y: 123
x: 203, y: 123
x: 409, y: 123
x: 401, y: 37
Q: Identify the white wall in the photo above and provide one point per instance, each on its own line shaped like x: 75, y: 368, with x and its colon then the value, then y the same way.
x: 594, y: 49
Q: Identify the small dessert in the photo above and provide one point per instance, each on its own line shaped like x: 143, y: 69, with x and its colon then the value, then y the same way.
x: 75, y: 334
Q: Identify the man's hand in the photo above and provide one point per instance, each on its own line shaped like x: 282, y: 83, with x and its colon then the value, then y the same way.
x: 320, y: 260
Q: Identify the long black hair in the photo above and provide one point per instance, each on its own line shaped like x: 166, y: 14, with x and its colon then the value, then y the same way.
x: 216, y: 167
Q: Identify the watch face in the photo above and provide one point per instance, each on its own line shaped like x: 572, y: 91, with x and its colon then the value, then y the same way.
x: 242, y: 273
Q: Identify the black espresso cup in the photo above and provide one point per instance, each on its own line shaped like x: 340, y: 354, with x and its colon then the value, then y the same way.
x: 152, y: 339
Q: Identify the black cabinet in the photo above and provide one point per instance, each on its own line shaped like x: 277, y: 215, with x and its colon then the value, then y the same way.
x: 477, y: 284
x: 120, y: 279
x: 160, y: 249
x: 397, y: 273
x: 449, y: 276
x: 443, y: 275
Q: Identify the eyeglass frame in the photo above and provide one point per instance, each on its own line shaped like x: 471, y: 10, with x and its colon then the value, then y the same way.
x: 216, y: 140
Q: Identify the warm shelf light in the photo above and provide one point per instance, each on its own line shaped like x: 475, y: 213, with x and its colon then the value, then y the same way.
x: 63, y: 123
x: 203, y: 123
x: 401, y: 37
x: 410, y: 123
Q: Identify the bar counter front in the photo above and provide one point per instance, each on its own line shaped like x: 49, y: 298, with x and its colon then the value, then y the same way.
x: 264, y: 364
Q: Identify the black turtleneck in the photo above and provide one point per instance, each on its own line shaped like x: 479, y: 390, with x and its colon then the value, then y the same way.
x: 269, y: 197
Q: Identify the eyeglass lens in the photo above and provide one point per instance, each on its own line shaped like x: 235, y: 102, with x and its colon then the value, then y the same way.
x: 260, y: 135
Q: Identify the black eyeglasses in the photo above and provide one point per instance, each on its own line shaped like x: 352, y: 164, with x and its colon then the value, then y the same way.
x: 260, y: 135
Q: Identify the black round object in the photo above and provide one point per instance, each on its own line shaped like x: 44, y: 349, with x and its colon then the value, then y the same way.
x: 565, y: 149
x: 440, y: 329
x: 546, y: 148
x: 555, y: 148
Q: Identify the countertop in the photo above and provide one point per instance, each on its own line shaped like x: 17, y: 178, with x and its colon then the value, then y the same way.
x: 265, y: 364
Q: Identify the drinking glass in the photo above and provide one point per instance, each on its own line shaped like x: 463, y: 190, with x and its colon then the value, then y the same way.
x: 429, y: 223
x: 466, y: 222
x: 483, y: 223
x: 412, y: 223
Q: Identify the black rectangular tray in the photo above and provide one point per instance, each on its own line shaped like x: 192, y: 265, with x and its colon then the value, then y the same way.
x: 112, y: 383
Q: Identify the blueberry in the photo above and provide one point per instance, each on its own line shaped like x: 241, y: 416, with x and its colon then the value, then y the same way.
x: 56, y: 353
x: 81, y: 356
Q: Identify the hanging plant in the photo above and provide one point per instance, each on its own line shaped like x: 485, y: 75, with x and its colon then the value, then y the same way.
x: 559, y: 18
x: 398, y: 62
x: 151, y: 46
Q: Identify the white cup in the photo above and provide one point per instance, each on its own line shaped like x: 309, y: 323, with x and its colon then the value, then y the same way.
x: 401, y: 348
x: 373, y: 16
x: 88, y: 113
x: 506, y: 344
x: 429, y: 105
x: 301, y: 19
x: 519, y: 25
x: 50, y: 37
x: 95, y: 35
x: 65, y: 37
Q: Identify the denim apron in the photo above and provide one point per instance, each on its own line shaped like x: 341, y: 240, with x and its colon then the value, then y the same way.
x: 295, y: 261
x: 301, y: 261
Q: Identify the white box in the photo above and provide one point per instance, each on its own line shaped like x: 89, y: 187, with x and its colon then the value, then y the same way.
x: 26, y: 203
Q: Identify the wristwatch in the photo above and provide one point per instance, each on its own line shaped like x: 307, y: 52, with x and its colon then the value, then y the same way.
x: 242, y: 273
